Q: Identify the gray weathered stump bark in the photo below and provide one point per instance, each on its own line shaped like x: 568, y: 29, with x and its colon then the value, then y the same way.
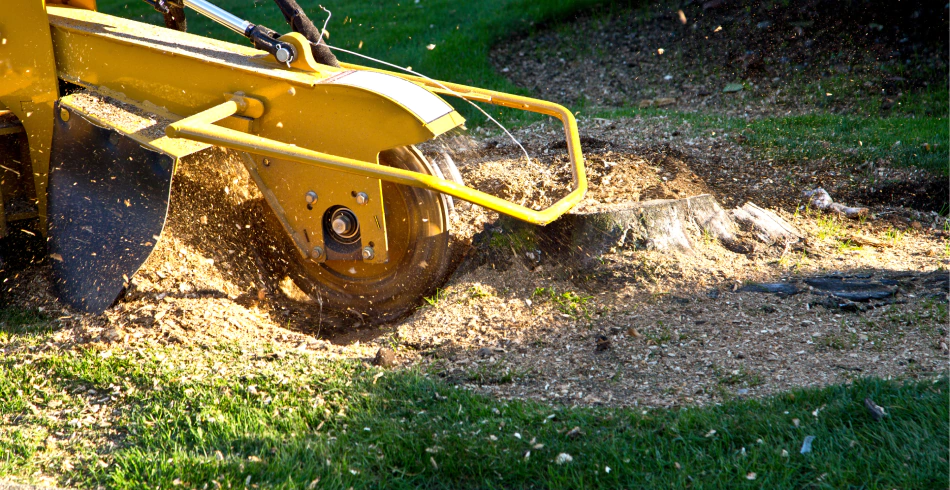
x: 664, y: 224
x: 767, y: 227
x: 579, y: 239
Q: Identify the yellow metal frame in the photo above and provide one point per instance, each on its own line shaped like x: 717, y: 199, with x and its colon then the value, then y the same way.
x: 30, y: 87
x: 285, y: 114
x: 201, y: 127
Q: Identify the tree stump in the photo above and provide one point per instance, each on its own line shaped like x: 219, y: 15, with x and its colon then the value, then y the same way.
x: 578, y: 239
x: 767, y: 227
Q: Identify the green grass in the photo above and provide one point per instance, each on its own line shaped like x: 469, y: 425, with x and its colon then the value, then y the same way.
x: 188, y: 417
x: 24, y: 325
x: 906, y: 141
x: 568, y: 302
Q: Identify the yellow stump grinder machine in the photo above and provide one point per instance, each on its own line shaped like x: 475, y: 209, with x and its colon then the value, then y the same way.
x: 96, y: 111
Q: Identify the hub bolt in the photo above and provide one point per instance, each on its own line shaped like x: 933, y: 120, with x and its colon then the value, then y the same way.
x: 368, y: 253
x: 343, y: 225
x: 317, y: 253
x: 361, y: 198
x: 310, y: 197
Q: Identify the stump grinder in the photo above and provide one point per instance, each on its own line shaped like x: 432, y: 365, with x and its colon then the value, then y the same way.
x: 96, y: 111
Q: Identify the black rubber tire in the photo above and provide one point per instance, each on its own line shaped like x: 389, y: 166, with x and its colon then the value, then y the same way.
x: 421, y: 248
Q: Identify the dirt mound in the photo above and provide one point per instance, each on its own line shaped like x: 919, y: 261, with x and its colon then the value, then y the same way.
x: 614, y: 176
x: 203, y: 283
x: 616, y: 172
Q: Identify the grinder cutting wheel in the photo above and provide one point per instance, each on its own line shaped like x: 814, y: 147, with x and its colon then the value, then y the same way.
x: 97, y: 111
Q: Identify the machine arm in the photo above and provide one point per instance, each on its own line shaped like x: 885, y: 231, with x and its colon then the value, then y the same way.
x: 201, y: 127
x: 261, y: 37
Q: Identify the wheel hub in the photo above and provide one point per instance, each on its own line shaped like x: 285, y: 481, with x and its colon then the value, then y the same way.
x: 421, y: 254
x: 344, y: 227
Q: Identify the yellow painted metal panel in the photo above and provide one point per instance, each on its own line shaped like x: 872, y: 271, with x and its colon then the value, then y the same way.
x: 28, y: 85
x: 186, y: 74
x: 200, y: 127
x: 82, y: 4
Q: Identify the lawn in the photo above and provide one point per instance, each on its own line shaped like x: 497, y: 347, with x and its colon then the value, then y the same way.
x: 213, y: 417
x: 905, y: 140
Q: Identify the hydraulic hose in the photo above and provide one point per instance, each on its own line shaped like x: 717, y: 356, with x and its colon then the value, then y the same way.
x: 299, y: 22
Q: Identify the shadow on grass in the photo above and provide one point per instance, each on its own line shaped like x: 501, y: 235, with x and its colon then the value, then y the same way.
x: 16, y: 321
x: 289, y: 422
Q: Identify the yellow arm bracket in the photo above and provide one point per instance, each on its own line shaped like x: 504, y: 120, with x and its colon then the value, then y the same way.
x: 200, y: 127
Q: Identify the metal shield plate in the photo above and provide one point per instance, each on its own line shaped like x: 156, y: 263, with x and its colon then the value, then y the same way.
x: 108, y: 199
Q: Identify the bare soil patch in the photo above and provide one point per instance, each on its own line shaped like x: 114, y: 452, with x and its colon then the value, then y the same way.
x: 786, y: 58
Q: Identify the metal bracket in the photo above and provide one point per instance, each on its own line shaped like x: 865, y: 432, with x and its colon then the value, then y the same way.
x: 200, y: 128
x: 302, y: 196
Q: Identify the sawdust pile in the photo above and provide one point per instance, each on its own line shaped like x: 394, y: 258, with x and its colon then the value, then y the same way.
x: 212, y: 275
x: 615, y: 173
x: 207, y: 280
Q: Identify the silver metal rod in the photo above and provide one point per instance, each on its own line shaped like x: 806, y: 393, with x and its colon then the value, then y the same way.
x: 219, y: 15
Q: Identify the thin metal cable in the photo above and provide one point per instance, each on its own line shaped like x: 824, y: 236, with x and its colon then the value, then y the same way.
x: 486, y: 114
x: 323, y: 32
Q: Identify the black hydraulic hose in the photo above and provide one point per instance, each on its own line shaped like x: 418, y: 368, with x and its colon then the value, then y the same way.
x: 175, y: 17
x: 299, y: 22
x: 173, y: 11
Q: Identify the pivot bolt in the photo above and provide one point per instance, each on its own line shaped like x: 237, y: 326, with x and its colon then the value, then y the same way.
x: 361, y: 198
x: 368, y: 253
x: 283, y: 54
x: 316, y: 253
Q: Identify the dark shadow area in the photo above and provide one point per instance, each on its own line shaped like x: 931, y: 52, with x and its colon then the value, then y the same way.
x: 775, y: 47
x: 927, y: 196
x: 17, y: 321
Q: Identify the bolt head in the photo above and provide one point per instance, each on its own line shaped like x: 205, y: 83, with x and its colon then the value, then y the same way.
x: 361, y: 198
x: 283, y: 55
x: 316, y: 253
x: 311, y: 197
x: 368, y: 253
x: 341, y: 226
x: 64, y: 114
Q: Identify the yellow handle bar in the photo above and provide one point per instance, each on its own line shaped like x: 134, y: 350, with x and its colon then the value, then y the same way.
x: 201, y: 127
